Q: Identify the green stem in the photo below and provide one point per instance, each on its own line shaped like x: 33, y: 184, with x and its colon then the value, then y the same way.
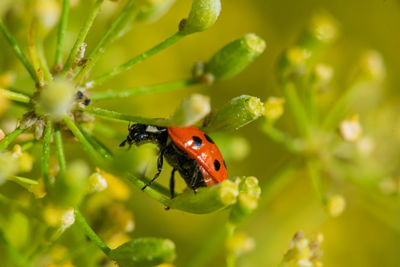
x: 60, y: 150
x: 61, y: 32
x: 314, y: 171
x: 99, y: 146
x: 85, y: 143
x: 27, y: 145
x: 158, y: 88
x: 43, y: 62
x: 46, y: 154
x: 14, y: 254
x: 280, y: 137
x: 18, y: 52
x: 129, y: 64
x: 114, y: 32
x: 148, y: 190
x: 116, y: 116
x: 230, y: 257
x: 297, y: 109
x: 82, y: 35
x: 337, y: 113
x: 19, y: 97
x: 22, y: 180
x: 310, y: 104
x: 9, y: 138
x: 80, y: 220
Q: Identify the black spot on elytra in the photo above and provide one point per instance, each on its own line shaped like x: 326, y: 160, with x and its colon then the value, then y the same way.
x: 208, y: 139
x: 217, y: 165
x: 197, y: 140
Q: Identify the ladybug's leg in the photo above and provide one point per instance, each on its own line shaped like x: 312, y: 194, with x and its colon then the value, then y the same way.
x: 159, y: 167
x: 172, y: 183
x: 193, y: 182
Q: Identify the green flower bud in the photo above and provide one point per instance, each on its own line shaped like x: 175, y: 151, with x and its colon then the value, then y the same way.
x: 191, y: 110
x: 274, y: 108
x: 373, y: 66
x: 235, y: 57
x: 207, y: 199
x: 336, y: 205
x: 143, y: 252
x: 152, y: 10
x: 203, y: 15
x: 236, y: 113
x: 56, y: 99
x: 70, y: 186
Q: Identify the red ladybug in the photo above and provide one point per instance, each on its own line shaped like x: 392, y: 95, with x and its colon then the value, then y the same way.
x: 187, y: 149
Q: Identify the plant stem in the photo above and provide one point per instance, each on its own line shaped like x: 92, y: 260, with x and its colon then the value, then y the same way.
x: 61, y: 33
x: 18, y: 52
x: 99, y: 146
x: 314, y: 171
x: 60, y: 150
x: 148, y: 190
x: 14, y: 254
x: 19, y: 97
x: 46, y: 154
x: 230, y: 257
x: 129, y: 64
x: 336, y: 113
x: 297, y: 109
x: 80, y: 220
x: 85, y: 143
x: 116, y: 116
x: 22, y: 180
x: 33, y: 52
x: 43, y: 62
x: 158, y: 88
x: 113, y: 33
x: 82, y: 35
x: 280, y: 137
x: 9, y: 138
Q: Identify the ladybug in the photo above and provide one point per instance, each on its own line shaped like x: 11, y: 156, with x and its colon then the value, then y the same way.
x: 188, y: 150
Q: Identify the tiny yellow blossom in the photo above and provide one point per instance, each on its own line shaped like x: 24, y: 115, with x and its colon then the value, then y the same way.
x: 274, y: 108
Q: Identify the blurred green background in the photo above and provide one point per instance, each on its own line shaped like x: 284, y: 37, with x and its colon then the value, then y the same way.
x: 367, y: 234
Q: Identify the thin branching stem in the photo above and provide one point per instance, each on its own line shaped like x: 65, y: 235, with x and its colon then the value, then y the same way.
x: 230, y: 256
x: 82, y: 35
x: 148, y: 190
x: 129, y: 64
x: 9, y: 138
x: 297, y: 109
x: 114, y: 32
x: 314, y: 171
x: 15, y: 96
x: 81, y: 221
x: 61, y: 33
x: 34, y: 52
x: 116, y: 116
x: 60, y: 150
x: 158, y: 88
x: 46, y: 153
x: 280, y: 137
x: 97, y: 144
x: 18, y: 52
x: 96, y: 156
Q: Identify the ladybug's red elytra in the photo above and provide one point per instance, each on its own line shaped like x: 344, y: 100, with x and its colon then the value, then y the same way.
x: 188, y: 150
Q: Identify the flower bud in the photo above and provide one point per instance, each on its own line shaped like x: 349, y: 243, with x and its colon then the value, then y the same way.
x: 373, y: 66
x: 25, y: 160
x: 235, y: 57
x: 232, y: 147
x: 8, y: 165
x: 203, y: 15
x: 240, y: 244
x: 236, y: 113
x: 152, y: 10
x: 336, y: 205
x: 96, y: 182
x: 56, y: 99
x: 273, y: 108
x: 191, y: 110
x: 351, y: 129
x: 323, y: 29
x: 321, y: 77
x: 144, y: 252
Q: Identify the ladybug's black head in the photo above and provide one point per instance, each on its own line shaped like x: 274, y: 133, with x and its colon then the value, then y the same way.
x: 142, y: 133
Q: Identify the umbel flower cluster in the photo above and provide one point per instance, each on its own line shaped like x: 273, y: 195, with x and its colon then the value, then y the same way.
x: 60, y: 109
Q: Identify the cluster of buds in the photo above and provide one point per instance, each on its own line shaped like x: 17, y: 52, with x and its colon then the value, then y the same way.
x: 305, y: 250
